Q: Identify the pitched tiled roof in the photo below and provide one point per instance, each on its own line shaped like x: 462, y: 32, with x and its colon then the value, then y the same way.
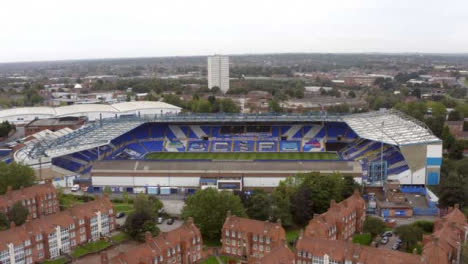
x: 11, y: 197
x: 279, y: 255
x: 340, y: 250
x: 274, y: 230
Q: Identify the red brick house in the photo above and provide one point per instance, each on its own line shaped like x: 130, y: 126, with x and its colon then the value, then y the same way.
x: 39, y: 199
x: 341, y: 220
x: 50, y: 236
x: 180, y: 246
x: 250, y: 240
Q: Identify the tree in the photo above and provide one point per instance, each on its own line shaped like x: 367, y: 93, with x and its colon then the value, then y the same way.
x: 15, y: 175
x: 4, y: 223
x: 125, y: 197
x: 455, y: 116
x: 209, y: 208
x: 5, y: 128
x: 351, y: 94
x: 107, y: 191
x: 452, y: 189
x: 18, y: 213
x: 409, y: 234
x: 349, y: 185
x: 275, y: 106
x: 143, y: 218
x: 259, y: 205
x: 448, y: 140
x: 301, y: 205
x: 373, y: 226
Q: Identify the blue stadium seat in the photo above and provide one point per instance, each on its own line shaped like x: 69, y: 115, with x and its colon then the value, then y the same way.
x: 197, y: 146
x: 153, y: 146
x: 267, y: 146
x: 291, y: 146
x: 243, y: 146
x: 221, y: 146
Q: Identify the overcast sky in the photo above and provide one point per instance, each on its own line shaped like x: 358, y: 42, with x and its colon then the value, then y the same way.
x: 61, y: 29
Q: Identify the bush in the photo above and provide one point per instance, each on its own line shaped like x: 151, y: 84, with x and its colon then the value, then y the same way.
x: 363, y: 239
x: 374, y: 226
x: 425, y: 226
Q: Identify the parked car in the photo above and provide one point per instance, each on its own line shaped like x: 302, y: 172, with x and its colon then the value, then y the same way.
x: 384, y: 240
x: 396, y: 246
x: 387, y: 234
x: 160, y: 220
x: 399, y: 241
x: 170, y: 221
x: 120, y: 214
x: 75, y: 188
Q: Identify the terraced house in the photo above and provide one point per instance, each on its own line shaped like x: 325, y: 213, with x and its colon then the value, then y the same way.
x: 50, y: 236
x: 180, y: 246
x: 251, y: 240
x: 39, y: 199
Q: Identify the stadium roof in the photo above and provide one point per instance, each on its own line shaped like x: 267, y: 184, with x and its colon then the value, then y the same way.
x: 391, y: 127
x: 49, y: 111
x: 398, y: 129
x: 86, y: 108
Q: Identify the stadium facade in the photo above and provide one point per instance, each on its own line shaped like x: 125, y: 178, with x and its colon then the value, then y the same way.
x: 182, y: 153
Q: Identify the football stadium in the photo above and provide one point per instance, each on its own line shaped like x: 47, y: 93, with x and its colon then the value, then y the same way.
x: 180, y: 153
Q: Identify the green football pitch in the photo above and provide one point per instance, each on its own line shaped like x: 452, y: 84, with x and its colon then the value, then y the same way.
x: 243, y: 156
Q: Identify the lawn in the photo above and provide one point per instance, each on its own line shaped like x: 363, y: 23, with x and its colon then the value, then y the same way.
x: 291, y: 236
x: 90, y: 248
x: 55, y: 261
x: 243, y: 156
x: 123, y: 207
x: 225, y: 259
x: 120, y: 237
x: 363, y: 239
x: 210, y: 260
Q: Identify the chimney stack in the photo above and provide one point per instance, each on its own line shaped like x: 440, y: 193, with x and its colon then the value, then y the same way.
x: 12, y: 225
x: 228, y: 214
x: 189, y: 221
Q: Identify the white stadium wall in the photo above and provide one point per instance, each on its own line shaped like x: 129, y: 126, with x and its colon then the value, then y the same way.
x: 146, y: 181
x: 433, y: 163
x: 262, y: 181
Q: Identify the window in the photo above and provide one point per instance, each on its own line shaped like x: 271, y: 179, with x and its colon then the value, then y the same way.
x: 72, y: 226
x: 255, y: 238
x: 81, y: 221
x: 40, y: 246
x: 28, y: 252
x: 261, y: 239
x: 267, y: 249
x: 40, y: 254
x: 227, y: 232
x: 111, y: 211
x: 228, y: 249
x: 27, y: 243
x: 72, y: 234
x: 73, y: 243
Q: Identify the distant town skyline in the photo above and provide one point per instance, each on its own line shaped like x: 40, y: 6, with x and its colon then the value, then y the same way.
x: 58, y: 30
